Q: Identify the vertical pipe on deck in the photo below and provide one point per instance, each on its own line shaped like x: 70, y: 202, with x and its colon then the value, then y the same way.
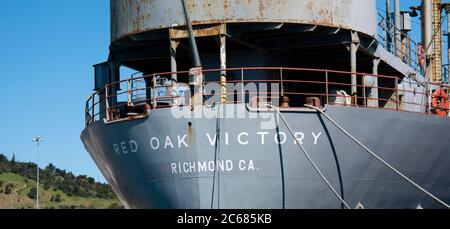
x: 373, y: 95
x: 408, y: 51
x: 174, y: 69
x: 354, y: 91
x: 353, y: 50
x: 223, y: 54
x: 195, y: 54
x: 388, y: 25
x: 427, y: 35
x: 398, y: 35
x: 173, y: 59
x: 114, y: 78
x: 223, y: 66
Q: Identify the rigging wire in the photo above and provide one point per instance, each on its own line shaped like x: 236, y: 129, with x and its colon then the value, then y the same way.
x: 307, y: 156
x: 377, y: 157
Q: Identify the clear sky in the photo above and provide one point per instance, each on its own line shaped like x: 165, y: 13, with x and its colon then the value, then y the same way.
x: 47, y: 49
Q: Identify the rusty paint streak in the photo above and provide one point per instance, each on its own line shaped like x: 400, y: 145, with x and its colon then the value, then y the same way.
x: 136, y: 16
x: 261, y: 8
x: 180, y: 32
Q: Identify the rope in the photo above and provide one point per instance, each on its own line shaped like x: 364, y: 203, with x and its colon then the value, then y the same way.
x: 379, y: 158
x: 216, y: 155
x: 308, y: 157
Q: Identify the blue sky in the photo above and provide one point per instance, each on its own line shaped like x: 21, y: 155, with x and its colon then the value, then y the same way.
x: 47, y: 49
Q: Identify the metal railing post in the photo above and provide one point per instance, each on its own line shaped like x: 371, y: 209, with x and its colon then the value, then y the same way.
x: 242, y: 86
x: 430, y: 101
x: 93, y: 108
x: 326, y: 86
x: 282, y: 83
x: 86, y: 114
x: 364, y: 90
x: 128, y: 92
x: 154, y: 91
x: 397, y: 97
x: 107, y: 103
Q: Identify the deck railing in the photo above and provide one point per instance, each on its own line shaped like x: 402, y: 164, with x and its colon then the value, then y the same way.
x: 134, y: 96
x: 407, y: 52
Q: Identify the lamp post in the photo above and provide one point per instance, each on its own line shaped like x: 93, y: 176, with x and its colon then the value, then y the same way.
x: 37, y: 139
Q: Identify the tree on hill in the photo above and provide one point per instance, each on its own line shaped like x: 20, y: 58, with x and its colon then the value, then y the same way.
x: 56, y: 198
x: 51, y: 168
x: 3, y: 158
x: 32, y: 193
x: 47, y: 186
x: 58, y: 179
x: 3, y: 163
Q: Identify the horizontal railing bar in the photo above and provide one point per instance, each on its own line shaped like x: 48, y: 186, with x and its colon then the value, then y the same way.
x: 136, y: 92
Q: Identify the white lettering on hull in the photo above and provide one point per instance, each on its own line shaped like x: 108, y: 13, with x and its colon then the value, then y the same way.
x: 211, y: 166
x: 281, y: 138
x: 240, y: 138
x: 125, y: 147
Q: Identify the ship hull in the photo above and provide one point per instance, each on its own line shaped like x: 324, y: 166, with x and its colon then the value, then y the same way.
x: 200, y: 163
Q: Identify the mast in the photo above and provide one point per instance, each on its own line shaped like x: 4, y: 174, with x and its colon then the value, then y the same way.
x: 195, y: 73
x: 398, y: 35
x: 427, y: 35
x: 388, y: 25
x: 195, y: 54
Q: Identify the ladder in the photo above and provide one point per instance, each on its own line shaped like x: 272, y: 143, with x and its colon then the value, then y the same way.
x: 437, y: 43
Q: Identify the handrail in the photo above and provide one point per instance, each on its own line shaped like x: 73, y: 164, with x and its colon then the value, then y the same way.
x: 105, y: 100
x: 409, y: 54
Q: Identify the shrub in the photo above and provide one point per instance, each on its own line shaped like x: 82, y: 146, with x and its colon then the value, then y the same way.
x: 32, y: 193
x: 56, y: 198
x: 9, y: 188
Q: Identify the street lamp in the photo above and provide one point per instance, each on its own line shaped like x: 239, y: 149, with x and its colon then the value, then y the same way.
x: 37, y: 139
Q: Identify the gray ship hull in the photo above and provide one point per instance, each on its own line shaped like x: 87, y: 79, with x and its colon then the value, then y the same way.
x: 163, y: 162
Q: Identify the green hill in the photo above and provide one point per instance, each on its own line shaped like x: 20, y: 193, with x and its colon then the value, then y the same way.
x: 57, y: 189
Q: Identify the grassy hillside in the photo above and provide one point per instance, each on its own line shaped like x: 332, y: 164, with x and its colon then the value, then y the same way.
x: 58, y: 188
